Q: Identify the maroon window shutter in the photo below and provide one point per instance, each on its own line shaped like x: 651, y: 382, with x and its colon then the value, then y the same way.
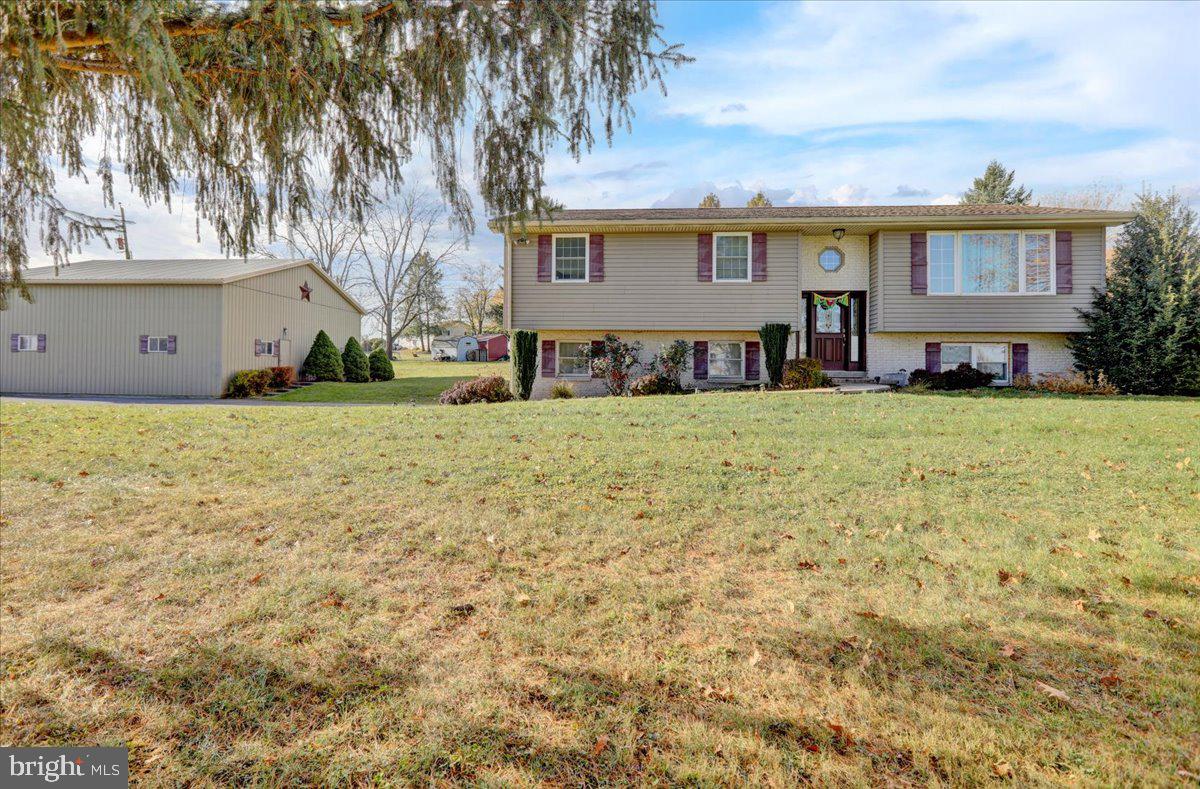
x: 704, y: 262
x: 752, y: 354
x: 41, y: 343
x: 1062, y: 261
x: 597, y: 348
x: 14, y: 343
x: 170, y: 343
x: 1020, y: 354
x: 258, y: 347
x: 596, y: 257
x: 758, y: 257
x: 548, y: 358
x: 918, y: 264
x: 545, y: 258
x: 144, y: 344
x: 933, y: 357
x: 700, y: 360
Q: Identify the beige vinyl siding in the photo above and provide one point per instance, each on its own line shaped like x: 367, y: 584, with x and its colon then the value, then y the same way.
x: 92, y: 336
x: 874, y: 282
x: 261, y: 307
x: 650, y: 283
x: 902, y: 311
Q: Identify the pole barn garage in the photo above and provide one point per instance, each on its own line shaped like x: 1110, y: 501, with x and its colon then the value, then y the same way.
x: 166, y: 327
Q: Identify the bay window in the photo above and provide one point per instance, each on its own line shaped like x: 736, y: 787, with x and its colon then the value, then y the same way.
x: 990, y: 262
x: 726, y: 360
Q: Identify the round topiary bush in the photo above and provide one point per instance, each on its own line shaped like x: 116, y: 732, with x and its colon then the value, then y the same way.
x: 381, y: 365
x: 323, y: 362
x: 354, y: 363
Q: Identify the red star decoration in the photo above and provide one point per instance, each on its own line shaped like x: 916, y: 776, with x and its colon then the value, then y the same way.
x: 305, y: 292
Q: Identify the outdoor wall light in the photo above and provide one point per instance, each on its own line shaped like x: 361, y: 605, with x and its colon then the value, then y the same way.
x: 523, y: 241
x: 838, y: 232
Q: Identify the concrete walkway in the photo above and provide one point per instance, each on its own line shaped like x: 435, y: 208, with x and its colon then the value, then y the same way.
x: 146, y: 400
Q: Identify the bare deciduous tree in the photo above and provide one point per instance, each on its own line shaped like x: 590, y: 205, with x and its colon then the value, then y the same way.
x: 402, y: 241
x: 330, y: 237
x: 473, y: 297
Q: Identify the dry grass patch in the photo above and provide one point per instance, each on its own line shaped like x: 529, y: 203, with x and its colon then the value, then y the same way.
x: 749, y: 588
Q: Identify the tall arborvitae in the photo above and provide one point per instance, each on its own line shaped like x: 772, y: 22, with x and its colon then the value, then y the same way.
x: 1144, y: 332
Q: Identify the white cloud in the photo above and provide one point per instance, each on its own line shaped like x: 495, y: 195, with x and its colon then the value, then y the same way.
x: 819, y: 66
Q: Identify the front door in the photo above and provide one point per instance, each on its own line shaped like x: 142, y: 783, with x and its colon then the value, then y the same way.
x: 835, y: 331
x: 829, y: 336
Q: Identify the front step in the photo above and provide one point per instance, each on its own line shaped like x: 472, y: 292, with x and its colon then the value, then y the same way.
x: 847, y: 376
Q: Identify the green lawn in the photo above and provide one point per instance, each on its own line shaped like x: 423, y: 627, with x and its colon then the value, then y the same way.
x: 752, y: 588
x: 417, y: 381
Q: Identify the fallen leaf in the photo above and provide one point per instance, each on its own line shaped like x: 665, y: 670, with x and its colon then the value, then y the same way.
x: 254, y: 581
x: 83, y: 473
x: 1150, y: 613
x: 867, y: 614
x: 601, y: 744
x: 840, y: 731
x: 1002, y: 770
x: 806, y: 564
x: 1126, y: 581
x: 1110, y: 681
x: 1010, y: 651
x: 1093, y: 535
x: 1052, y: 692
x: 755, y: 658
x: 523, y: 600
x: 1006, y: 578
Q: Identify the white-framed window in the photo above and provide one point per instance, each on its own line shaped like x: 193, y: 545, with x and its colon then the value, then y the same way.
x: 571, y: 258
x: 987, y: 357
x: 27, y: 343
x: 572, y: 360
x: 726, y: 360
x: 156, y: 345
x: 268, y: 347
x: 991, y: 262
x: 731, y: 257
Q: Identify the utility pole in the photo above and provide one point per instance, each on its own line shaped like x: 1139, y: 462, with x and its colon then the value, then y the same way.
x: 125, y: 235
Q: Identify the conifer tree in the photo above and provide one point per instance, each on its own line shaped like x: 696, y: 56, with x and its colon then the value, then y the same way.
x: 354, y: 363
x: 323, y: 362
x: 1143, y: 332
x: 759, y: 200
x: 996, y: 187
x: 710, y: 200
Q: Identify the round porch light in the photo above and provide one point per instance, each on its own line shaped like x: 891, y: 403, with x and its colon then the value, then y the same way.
x: 838, y: 232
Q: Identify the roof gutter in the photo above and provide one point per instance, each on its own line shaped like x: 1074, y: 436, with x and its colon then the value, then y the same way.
x: 1109, y: 219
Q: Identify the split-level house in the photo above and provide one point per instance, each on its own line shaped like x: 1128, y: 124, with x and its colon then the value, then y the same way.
x: 870, y: 291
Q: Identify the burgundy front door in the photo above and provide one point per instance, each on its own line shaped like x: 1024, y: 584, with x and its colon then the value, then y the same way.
x: 835, y: 332
x: 829, y: 335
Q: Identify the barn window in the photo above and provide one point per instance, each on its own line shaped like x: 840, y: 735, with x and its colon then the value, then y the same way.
x: 156, y: 345
x: 27, y: 342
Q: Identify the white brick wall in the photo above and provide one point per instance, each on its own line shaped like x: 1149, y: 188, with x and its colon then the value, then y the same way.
x: 889, y: 352
x: 651, y: 342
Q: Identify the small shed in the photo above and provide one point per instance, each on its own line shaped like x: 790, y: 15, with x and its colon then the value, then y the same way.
x: 492, y: 347
x: 453, y: 349
x: 167, y: 327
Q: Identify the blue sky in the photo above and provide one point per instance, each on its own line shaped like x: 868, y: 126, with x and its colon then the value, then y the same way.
x: 865, y: 103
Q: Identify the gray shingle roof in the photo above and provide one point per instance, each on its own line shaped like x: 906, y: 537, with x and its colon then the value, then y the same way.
x: 214, y: 270
x: 827, y: 211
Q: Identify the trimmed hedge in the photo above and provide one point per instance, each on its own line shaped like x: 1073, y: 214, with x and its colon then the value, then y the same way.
x: 248, y: 383
x: 282, y: 377
x: 804, y: 374
x: 380, y: 365
x: 354, y: 363
x: 524, y: 361
x: 323, y: 362
x: 964, y: 376
x: 489, y: 389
